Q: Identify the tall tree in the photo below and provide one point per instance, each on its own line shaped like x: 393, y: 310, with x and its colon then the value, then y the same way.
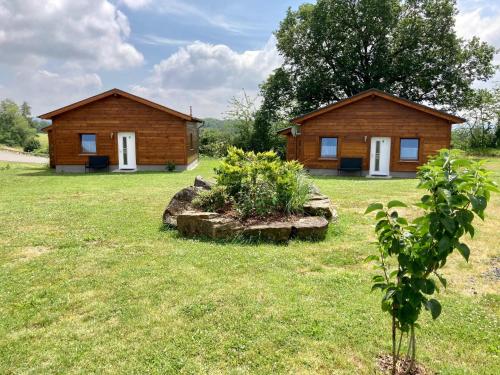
x: 26, y: 112
x: 15, y: 129
x: 261, y: 136
x: 242, y: 111
x: 483, y: 119
x: 336, y: 48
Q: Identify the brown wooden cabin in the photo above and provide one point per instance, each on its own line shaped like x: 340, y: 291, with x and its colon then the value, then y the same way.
x: 134, y: 133
x: 392, y: 136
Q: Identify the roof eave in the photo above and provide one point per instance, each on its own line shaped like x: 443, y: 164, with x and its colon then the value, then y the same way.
x: 52, y: 114
x: 284, y: 130
x: 419, y: 107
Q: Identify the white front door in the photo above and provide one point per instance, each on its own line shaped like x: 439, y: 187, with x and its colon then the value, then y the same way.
x: 126, y: 151
x: 380, y: 156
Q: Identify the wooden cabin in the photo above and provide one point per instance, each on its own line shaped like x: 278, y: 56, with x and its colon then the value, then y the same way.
x: 132, y: 132
x: 387, y: 136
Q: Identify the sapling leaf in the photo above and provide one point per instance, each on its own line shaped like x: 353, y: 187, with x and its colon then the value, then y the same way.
x: 371, y: 258
x: 389, y: 294
x: 373, y: 207
x: 381, y: 286
x: 381, y: 224
x: 441, y: 279
x: 393, y: 274
x: 478, y: 202
x: 396, y: 203
x: 444, y: 244
x: 402, y: 221
x: 470, y: 229
x: 434, y: 307
x: 429, y: 287
x: 464, y: 250
x: 378, y: 279
x: 449, y: 224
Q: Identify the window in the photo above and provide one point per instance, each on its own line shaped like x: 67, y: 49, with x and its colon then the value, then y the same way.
x: 87, y: 142
x: 408, y: 149
x: 328, y: 147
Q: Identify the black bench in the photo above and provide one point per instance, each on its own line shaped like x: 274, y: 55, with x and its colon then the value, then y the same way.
x: 350, y: 165
x: 97, y: 162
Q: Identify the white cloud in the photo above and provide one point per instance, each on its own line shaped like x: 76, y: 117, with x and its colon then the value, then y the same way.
x: 476, y: 23
x: 483, y: 22
x: 206, y: 76
x: 51, y: 50
x: 84, y: 32
x: 157, y: 40
x: 136, y: 4
x: 47, y: 90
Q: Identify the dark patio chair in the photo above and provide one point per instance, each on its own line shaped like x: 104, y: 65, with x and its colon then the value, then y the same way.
x: 97, y: 162
x: 350, y: 165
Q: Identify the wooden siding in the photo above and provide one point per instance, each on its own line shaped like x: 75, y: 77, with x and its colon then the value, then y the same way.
x: 50, y: 137
x: 160, y: 137
x: 192, y: 141
x: 356, y: 123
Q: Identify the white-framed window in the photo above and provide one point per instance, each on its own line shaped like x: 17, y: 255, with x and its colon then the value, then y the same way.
x: 408, y: 149
x: 88, y: 143
x: 328, y: 147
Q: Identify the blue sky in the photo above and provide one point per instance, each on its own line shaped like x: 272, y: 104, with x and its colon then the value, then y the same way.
x: 176, y: 52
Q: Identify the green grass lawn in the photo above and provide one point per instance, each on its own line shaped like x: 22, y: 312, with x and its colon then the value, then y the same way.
x: 90, y: 282
x: 44, y: 143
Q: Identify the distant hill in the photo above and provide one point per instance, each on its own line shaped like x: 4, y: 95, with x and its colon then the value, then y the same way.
x: 223, y: 126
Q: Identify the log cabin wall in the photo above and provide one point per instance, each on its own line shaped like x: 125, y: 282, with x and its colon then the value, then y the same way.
x: 356, y: 123
x: 192, y: 143
x: 160, y: 137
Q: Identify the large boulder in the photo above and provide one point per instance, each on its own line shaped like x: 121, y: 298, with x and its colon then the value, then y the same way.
x: 216, y: 226
x: 320, y: 207
x: 179, y: 203
x: 310, y: 228
x: 207, y: 224
x: 202, y: 183
x: 274, y: 231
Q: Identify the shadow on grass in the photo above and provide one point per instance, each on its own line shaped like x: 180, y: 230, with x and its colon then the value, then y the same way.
x: 360, y: 178
x: 52, y: 173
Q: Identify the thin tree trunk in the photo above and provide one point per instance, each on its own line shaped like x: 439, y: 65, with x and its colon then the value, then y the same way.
x: 399, y: 345
x: 414, y: 348
x: 411, y: 350
x: 394, y: 359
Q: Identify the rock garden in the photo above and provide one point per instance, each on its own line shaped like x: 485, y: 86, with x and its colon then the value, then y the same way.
x: 255, y: 196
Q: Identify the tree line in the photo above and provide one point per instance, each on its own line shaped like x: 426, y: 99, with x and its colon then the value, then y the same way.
x: 17, y: 126
x: 337, y: 48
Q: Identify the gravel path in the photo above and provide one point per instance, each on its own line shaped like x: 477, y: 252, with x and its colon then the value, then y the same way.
x: 19, y: 157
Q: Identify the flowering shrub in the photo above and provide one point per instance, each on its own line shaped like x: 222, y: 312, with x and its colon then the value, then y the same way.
x: 213, y: 200
x: 262, y: 184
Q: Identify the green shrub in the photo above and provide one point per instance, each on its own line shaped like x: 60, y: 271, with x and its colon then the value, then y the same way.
x: 170, y: 166
x: 257, y: 200
x: 261, y: 183
x: 214, y: 200
x: 31, y: 145
x: 216, y: 149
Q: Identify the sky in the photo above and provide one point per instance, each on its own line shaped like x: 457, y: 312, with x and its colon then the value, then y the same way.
x: 179, y: 53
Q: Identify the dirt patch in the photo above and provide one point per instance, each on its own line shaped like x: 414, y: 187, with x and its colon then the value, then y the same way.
x: 384, y: 363
x: 31, y: 252
x: 493, y: 273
